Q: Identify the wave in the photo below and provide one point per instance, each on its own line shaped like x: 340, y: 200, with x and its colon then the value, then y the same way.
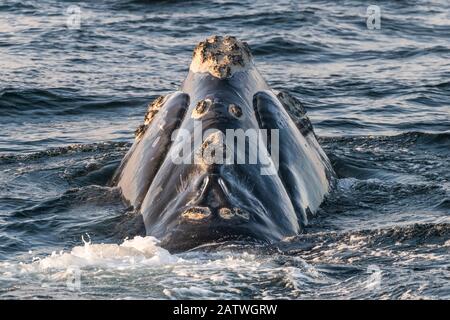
x: 328, y: 265
x: 18, y: 5
x: 417, y: 138
x: 59, y: 101
x: 66, y: 150
x: 275, y: 45
x: 412, y: 235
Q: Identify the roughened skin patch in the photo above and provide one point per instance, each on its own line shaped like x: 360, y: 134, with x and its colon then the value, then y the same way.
x: 227, y: 214
x: 152, y: 110
x: 196, y: 213
x: 291, y: 104
x: 221, y: 56
x: 201, y: 108
x: 297, y: 112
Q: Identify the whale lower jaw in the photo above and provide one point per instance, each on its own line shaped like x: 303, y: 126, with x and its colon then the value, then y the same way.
x: 180, y: 240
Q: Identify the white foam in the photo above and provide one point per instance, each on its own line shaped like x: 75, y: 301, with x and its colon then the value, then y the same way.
x: 137, y: 251
x: 346, y: 183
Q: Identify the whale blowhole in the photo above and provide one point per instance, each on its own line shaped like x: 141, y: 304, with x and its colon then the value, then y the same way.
x: 221, y: 56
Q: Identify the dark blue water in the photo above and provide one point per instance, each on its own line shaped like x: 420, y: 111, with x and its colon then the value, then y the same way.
x: 70, y: 100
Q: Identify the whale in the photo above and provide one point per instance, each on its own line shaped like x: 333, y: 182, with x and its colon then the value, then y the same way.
x: 225, y: 157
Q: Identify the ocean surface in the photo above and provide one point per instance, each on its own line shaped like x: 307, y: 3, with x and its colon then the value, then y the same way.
x: 71, y: 98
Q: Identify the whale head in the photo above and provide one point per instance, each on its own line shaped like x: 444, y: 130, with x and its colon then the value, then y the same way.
x: 221, y: 158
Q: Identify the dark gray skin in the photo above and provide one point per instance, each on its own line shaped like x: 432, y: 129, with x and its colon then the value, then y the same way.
x: 185, y: 205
